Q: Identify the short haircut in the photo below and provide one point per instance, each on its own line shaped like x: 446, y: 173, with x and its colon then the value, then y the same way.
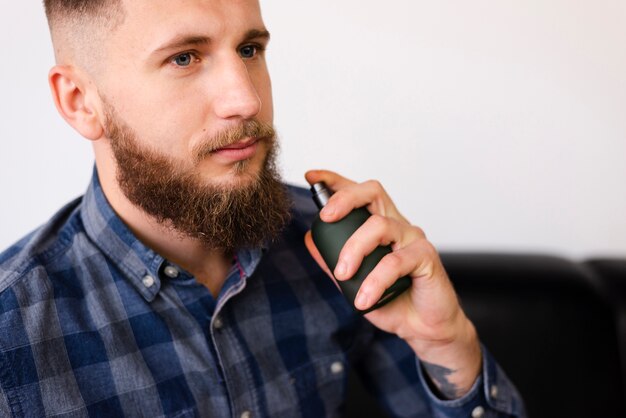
x: 75, y: 25
x: 78, y: 10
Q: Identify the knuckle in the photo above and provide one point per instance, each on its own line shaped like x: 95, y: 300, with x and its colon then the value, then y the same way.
x: 343, y: 197
x: 375, y: 184
x: 392, y: 261
x: 378, y: 221
x: 428, y: 249
x: 336, y: 197
x: 349, y: 249
x: 419, y: 231
x: 354, y: 247
x: 431, y: 248
x: 375, y: 283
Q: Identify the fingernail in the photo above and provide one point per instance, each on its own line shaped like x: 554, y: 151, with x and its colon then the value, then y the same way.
x: 362, y: 301
x: 340, y: 270
x: 327, y: 211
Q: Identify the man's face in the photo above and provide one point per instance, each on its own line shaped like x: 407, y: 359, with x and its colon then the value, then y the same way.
x: 188, y: 108
x: 178, y: 73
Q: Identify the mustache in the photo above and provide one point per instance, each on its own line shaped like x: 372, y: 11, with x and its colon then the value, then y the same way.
x: 248, y: 129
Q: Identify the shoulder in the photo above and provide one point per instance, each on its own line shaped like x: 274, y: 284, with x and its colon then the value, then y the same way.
x: 37, y: 252
x: 303, y: 211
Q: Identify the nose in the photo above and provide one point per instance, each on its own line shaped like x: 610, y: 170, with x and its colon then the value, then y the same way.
x: 237, y: 96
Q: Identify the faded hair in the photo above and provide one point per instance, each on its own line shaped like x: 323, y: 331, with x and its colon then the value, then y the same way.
x: 76, y: 25
x: 80, y: 10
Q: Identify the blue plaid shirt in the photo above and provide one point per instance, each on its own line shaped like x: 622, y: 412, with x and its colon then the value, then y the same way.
x: 94, y: 323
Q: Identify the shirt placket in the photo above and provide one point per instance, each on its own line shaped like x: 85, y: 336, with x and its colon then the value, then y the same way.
x: 230, y: 355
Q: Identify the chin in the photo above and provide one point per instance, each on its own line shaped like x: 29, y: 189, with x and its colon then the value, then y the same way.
x: 239, y: 174
x: 242, y: 176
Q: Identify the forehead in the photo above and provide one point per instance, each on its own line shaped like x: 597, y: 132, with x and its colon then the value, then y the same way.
x: 150, y: 22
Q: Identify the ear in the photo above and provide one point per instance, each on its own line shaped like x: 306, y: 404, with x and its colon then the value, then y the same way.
x: 77, y: 104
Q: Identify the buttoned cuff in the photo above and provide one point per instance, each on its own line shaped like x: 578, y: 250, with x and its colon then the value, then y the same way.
x: 491, y: 395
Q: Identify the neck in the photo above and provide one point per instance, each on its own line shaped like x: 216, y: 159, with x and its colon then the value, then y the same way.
x: 210, y: 267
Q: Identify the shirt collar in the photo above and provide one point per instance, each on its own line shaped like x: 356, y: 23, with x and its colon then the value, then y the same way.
x: 140, y: 264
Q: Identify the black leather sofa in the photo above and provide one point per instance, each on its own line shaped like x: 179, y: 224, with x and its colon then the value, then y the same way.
x: 557, y: 327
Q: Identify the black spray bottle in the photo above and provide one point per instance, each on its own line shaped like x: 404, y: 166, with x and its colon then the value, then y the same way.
x: 329, y: 238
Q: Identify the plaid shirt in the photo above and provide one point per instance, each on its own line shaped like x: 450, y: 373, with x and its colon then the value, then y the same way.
x: 94, y: 323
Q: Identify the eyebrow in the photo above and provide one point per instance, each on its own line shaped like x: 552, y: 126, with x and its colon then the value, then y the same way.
x: 183, y: 41
x: 256, y: 34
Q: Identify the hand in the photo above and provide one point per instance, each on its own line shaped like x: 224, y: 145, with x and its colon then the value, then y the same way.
x: 428, y: 315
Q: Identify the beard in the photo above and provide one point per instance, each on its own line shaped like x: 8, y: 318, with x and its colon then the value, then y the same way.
x: 247, y: 214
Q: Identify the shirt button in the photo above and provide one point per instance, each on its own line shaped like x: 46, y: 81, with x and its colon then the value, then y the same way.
x: 246, y: 414
x: 494, y: 391
x: 478, y: 412
x: 218, y: 323
x: 171, y: 272
x: 148, y: 280
x: 336, y: 367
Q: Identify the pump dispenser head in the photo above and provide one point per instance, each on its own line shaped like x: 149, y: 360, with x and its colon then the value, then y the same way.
x: 321, y: 194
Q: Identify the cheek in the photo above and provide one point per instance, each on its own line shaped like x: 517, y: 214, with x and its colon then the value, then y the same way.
x: 166, y: 119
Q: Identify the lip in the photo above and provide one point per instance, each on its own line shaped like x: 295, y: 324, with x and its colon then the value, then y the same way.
x: 241, y: 144
x: 242, y: 150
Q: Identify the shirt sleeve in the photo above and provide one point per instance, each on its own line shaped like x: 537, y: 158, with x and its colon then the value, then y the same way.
x: 390, y: 370
x: 491, y: 395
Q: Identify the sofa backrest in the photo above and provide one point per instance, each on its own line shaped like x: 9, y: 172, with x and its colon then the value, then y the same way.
x: 549, y: 324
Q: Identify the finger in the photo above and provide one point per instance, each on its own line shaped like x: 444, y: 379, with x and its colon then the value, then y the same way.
x: 310, y: 245
x: 352, y: 196
x: 377, y: 230
x: 349, y: 195
x: 412, y: 260
x: 332, y: 179
x: 370, y: 194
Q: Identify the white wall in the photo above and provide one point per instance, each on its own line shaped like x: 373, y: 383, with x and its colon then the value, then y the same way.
x: 494, y: 125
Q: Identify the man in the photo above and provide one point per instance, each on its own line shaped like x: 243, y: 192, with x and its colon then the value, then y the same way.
x: 181, y: 284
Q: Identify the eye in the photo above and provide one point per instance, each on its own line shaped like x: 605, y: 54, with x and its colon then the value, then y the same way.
x: 183, y: 60
x: 249, y: 51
